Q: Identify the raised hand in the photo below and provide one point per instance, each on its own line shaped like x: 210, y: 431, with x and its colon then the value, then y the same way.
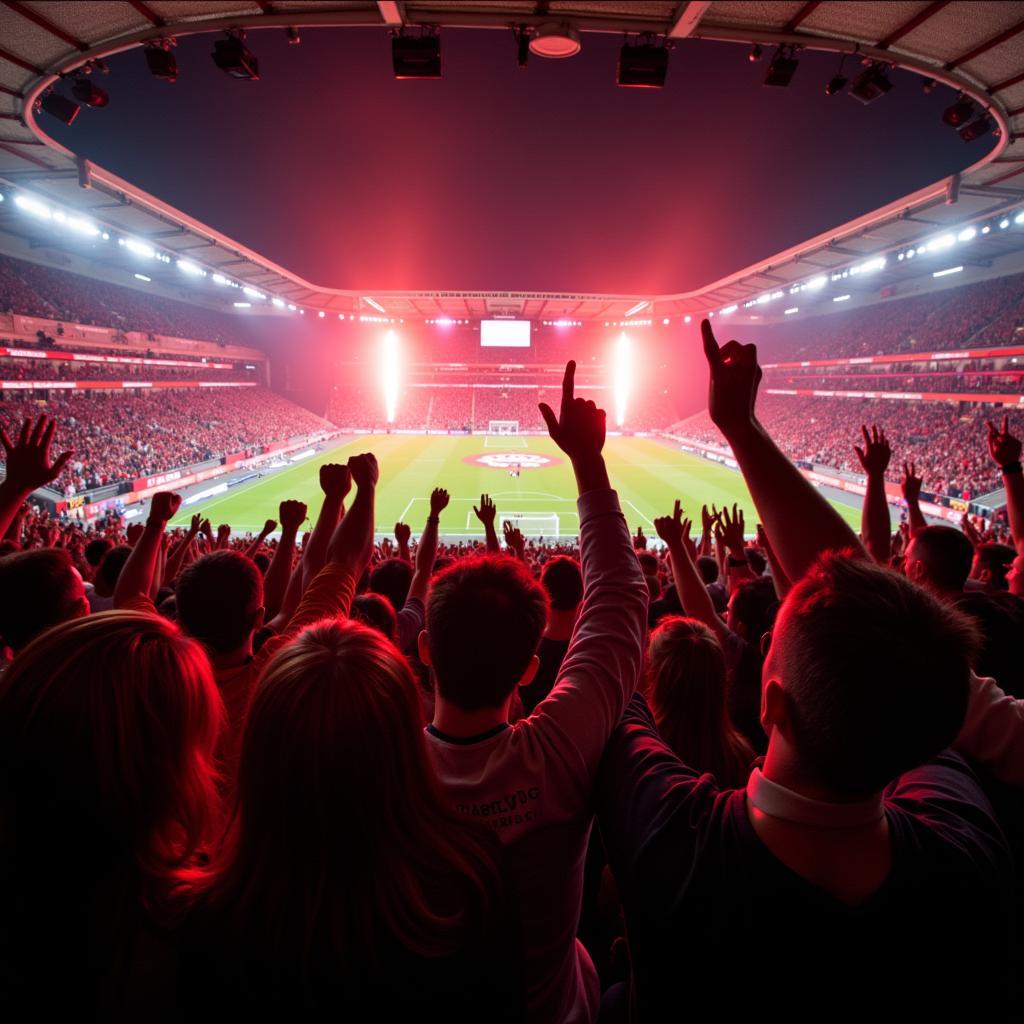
x: 206, y: 529
x: 735, y: 376
x: 732, y: 530
x: 514, y: 538
x: 640, y: 541
x: 402, y: 534
x: 163, y: 507
x: 223, y: 533
x: 268, y: 528
x: 670, y: 528
x: 28, y: 458
x: 292, y: 515
x: 335, y: 480
x: 708, y: 520
x: 439, y: 501
x: 193, y: 527
x: 364, y: 470
x: 874, y: 456
x: 133, y: 531
x: 487, y: 511
x: 911, y: 483
x: 970, y: 531
x: 1002, y: 445
x: 579, y: 428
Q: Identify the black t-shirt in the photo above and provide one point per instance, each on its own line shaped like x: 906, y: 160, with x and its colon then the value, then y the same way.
x: 707, y: 905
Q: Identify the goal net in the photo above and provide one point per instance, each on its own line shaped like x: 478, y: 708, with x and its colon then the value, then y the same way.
x: 533, y: 524
x: 503, y: 428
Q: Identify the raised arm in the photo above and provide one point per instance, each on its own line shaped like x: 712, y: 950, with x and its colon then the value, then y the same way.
x: 28, y: 466
x: 693, y: 594
x: 292, y: 515
x: 737, y: 566
x: 911, y: 488
x: 426, y: 553
x: 779, y: 577
x: 176, y: 559
x: 402, y: 534
x: 602, y: 664
x: 268, y: 528
x: 352, y: 544
x: 136, y: 579
x: 486, y: 513
x: 1005, y: 450
x: 874, y: 520
x: 801, y: 522
x: 335, y: 482
x: 514, y: 541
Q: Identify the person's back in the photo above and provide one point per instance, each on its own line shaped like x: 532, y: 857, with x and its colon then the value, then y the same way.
x: 348, y: 888
x: 833, y: 874
x: 532, y: 782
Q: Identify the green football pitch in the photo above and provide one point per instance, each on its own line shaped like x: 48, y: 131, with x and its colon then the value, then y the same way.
x: 649, y: 475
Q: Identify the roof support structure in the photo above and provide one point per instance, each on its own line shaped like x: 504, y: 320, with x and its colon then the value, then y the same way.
x: 45, y: 24
x: 688, y: 15
x: 391, y: 13
x: 989, y: 44
x: 915, y: 22
x: 802, y: 15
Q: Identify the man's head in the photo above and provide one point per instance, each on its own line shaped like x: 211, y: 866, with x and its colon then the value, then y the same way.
x: 752, y: 607
x: 756, y: 561
x: 939, y: 558
x: 392, y: 579
x: 38, y: 589
x: 563, y: 580
x: 708, y: 569
x: 96, y: 549
x: 991, y: 564
x: 110, y: 569
x: 220, y: 601
x: 375, y: 611
x: 867, y: 676
x: 485, y: 618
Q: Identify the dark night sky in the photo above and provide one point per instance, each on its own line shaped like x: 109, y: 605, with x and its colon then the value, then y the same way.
x: 493, y: 178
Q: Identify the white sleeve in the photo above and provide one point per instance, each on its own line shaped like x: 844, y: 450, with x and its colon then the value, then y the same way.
x: 993, y: 731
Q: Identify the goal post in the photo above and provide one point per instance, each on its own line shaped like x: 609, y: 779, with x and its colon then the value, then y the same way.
x: 503, y: 428
x: 534, y: 524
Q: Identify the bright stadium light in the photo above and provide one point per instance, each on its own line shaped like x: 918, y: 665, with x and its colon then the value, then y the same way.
x: 946, y: 241
x: 278, y: 302
x: 948, y: 270
x: 376, y: 305
x: 791, y: 311
x: 190, y: 268
x: 1019, y: 219
x: 389, y: 373
x: 221, y: 280
x: 816, y: 282
x: 637, y: 307
x: 966, y: 235
x: 34, y: 206
x: 623, y: 377
x: 841, y: 298
x: 139, y: 248
x: 242, y: 305
x: 253, y: 293
x: 142, y: 277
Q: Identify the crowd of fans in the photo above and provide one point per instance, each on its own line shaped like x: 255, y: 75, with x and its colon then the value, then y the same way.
x: 119, y: 436
x: 987, y: 314
x: 337, y: 778
x: 35, y: 290
x: 985, y: 382
x: 938, y: 437
x: 71, y: 370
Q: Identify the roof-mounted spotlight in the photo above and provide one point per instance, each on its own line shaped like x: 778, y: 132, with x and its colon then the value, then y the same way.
x: 292, y: 34
x: 871, y: 84
x: 782, y: 68
x: 522, y: 38
x: 160, y: 61
x: 928, y: 86
x: 978, y: 128
x: 235, y: 59
x: 837, y: 83
x: 416, y: 56
x: 59, y: 107
x: 959, y: 113
x: 755, y: 53
x: 89, y: 94
x: 642, y: 65
x: 555, y: 39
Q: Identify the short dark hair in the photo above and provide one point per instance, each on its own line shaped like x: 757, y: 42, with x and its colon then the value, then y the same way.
x: 375, y: 610
x: 562, y: 578
x: 876, y: 672
x: 997, y: 558
x: 392, y: 578
x: 708, y: 569
x: 485, y: 618
x: 35, y: 593
x: 96, y: 549
x: 756, y: 561
x: 947, y: 555
x: 754, y: 605
x: 648, y: 562
x: 112, y: 564
x: 217, y: 598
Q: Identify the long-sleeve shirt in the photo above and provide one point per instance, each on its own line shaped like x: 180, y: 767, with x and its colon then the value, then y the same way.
x: 708, y: 905
x: 533, y: 781
x: 993, y: 731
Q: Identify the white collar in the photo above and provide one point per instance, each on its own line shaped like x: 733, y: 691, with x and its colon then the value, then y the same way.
x: 780, y: 802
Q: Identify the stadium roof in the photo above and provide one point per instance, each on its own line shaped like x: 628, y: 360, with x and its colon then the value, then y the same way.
x: 974, y: 47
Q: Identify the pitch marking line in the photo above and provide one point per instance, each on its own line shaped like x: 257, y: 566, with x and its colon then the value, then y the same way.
x: 626, y: 501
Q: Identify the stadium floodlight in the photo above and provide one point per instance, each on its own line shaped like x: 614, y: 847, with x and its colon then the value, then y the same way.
x: 89, y: 94
x: 870, y: 84
x: 841, y: 298
x: 160, y: 61
x: 791, y: 311
x: 642, y: 65
x: 665, y: 322
x: 235, y: 59
x: 728, y: 309
x: 946, y: 241
x: 755, y: 53
x: 687, y: 318
x: 133, y: 245
x: 966, y: 235
x: 190, y: 268
x: 836, y: 84
x: 1019, y: 219
x: 291, y: 307
x: 416, y: 56
x: 816, y: 283
x: 59, y: 107
x: 522, y: 38
x: 623, y: 377
x: 782, y: 67
x: 321, y: 314
x: 142, y: 277
x: 948, y: 270
x: 637, y: 307
x: 389, y: 373
x: 34, y: 206
x: 959, y: 113
x: 253, y: 293
x: 242, y: 305
x: 1004, y: 224
x: 280, y: 303
x: 555, y: 40
x: 79, y: 224
x: 978, y: 128
x: 221, y: 280
x: 373, y: 302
